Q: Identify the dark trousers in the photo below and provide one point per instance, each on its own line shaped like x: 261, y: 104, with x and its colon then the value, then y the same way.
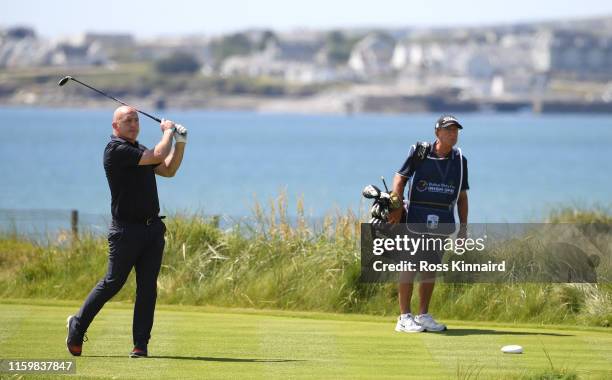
x: 130, y: 245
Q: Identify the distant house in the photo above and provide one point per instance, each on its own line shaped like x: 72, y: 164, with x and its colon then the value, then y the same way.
x: 574, y: 54
x: 436, y: 55
x: 292, y: 51
x: 159, y: 48
x: 479, y: 64
x: 295, y: 60
x: 18, y: 33
x: 108, y: 41
x: 78, y: 55
x: 372, y: 56
x: 514, y: 84
x: 259, y: 65
x: 406, y: 55
x: 19, y: 47
x: 479, y: 54
x: 252, y: 66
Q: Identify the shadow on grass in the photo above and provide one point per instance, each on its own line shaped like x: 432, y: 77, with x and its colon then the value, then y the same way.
x: 204, y: 358
x: 231, y: 360
x: 464, y: 332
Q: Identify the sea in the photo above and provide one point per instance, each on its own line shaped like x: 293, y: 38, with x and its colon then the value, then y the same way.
x: 522, y: 166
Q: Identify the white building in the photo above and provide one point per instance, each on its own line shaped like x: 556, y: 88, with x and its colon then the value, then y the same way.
x: 292, y: 61
x: 573, y: 54
x: 372, y: 56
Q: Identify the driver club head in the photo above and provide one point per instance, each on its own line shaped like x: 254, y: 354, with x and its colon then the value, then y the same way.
x: 64, y: 80
x: 371, y: 192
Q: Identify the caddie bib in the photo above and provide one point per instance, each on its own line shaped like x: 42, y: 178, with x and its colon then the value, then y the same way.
x: 433, y: 193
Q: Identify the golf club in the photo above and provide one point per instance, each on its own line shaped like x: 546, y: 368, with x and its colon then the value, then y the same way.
x: 384, y: 183
x: 380, y: 207
x: 371, y: 192
x: 65, y: 80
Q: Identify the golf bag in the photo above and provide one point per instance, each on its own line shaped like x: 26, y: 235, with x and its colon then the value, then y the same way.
x: 382, y: 199
x: 379, y: 211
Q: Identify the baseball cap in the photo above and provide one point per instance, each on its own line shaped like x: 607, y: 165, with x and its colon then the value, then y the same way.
x: 446, y: 121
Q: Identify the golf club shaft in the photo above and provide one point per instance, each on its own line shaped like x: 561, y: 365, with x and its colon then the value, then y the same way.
x: 384, y: 183
x: 115, y: 99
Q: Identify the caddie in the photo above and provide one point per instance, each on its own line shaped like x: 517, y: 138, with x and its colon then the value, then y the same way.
x: 437, y: 178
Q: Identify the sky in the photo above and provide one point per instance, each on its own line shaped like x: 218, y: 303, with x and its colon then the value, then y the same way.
x: 144, y: 19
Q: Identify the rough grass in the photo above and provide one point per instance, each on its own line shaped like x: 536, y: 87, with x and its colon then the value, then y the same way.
x: 276, y: 264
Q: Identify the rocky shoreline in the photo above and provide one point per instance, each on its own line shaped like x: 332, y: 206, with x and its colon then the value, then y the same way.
x: 329, y: 102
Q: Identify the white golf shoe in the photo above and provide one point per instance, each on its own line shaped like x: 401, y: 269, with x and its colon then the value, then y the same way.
x: 428, y: 323
x: 408, y: 325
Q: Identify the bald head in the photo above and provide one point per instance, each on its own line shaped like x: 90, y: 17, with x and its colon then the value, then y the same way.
x: 125, y: 123
x: 121, y: 111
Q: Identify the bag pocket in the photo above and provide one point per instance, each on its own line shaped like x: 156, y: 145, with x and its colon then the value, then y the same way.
x: 432, y: 221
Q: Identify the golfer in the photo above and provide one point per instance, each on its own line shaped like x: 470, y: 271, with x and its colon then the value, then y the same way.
x: 438, y: 182
x: 136, y: 235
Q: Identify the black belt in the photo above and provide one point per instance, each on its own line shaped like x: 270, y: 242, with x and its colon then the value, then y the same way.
x: 146, y: 221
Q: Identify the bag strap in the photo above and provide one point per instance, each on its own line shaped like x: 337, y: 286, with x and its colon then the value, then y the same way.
x: 421, y: 151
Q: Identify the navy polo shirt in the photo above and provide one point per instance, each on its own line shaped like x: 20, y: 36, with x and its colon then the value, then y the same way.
x: 406, y: 170
x: 133, y: 187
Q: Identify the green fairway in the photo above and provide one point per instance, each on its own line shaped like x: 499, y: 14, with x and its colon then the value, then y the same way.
x: 194, y: 342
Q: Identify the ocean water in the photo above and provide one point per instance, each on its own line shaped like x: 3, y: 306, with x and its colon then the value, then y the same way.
x: 521, y: 166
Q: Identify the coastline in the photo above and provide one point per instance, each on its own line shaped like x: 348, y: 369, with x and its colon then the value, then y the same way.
x: 335, y: 101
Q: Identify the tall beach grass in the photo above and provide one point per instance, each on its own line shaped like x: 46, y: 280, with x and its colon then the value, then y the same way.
x: 275, y: 262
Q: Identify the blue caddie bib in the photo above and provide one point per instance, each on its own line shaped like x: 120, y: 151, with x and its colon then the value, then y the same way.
x: 433, y: 193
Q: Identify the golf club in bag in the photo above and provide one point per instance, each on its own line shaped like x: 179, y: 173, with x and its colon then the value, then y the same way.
x: 65, y: 80
x: 382, y: 199
x: 382, y: 202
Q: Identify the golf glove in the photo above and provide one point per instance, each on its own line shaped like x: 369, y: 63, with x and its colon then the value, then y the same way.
x: 395, y: 201
x: 180, y: 134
